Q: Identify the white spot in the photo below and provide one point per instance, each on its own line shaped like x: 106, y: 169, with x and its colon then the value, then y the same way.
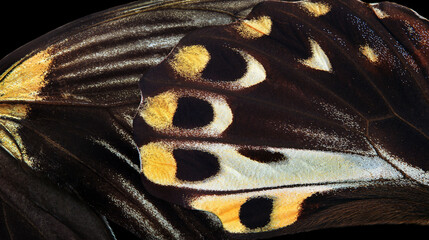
x: 255, y: 72
x: 318, y: 60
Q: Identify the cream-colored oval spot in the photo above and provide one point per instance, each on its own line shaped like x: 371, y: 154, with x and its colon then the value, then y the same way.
x: 255, y: 28
x: 190, y: 61
x: 316, y: 9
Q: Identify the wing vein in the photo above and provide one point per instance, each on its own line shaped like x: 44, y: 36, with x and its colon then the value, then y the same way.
x: 6, y: 222
x: 23, y: 216
x: 379, y: 91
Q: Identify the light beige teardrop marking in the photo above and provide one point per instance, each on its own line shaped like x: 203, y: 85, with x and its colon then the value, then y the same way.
x: 255, y: 72
x: 318, y: 60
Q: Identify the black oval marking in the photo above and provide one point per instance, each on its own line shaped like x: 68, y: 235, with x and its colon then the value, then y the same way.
x: 195, y: 165
x: 262, y: 156
x: 225, y: 65
x: 192, y: 112
x: 256, y: 212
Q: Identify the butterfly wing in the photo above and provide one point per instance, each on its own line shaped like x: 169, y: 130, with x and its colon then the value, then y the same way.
x: 306, y: 115
x: 67, y: 101
x: 33, y: 208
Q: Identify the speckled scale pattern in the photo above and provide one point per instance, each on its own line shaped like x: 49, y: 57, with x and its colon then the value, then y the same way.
x: 333, y: 77
x: 76, y: 133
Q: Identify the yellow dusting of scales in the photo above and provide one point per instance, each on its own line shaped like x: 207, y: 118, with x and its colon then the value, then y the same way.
x: 286, y: 209
x: 316, y: 9
x: 22, y: 82
x: 190, y: 61
x: 255, y: 28
x: 369, y: 53
x: 158, y: 111
x: 158, y: 164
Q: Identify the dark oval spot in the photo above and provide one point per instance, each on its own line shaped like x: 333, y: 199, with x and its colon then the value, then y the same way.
x: 195, y: 165
x: 225, y: 65
x: 192, y: 112
x: 262, y: 155
x: 256, y: 212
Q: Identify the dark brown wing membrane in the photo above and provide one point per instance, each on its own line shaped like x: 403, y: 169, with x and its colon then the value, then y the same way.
x: 66, y: 106
x: 324, y: 77
x: 33, y: 208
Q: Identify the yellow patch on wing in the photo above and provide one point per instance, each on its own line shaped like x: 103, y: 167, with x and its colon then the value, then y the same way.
x: 10, y: 139
x: 22, y: 83
x: 158, y: 163
x: 318, y: 60
x: 298, y: 167
x: 24, y: 80
x: 316, y: 9
x: 286, y: 207
x: 158, y: 111
x: 13, y: 111
x: 369, y: 53
x: 190, y: 61
x: 255, y: 28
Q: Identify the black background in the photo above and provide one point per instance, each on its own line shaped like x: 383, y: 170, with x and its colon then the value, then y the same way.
x: 21, y: 22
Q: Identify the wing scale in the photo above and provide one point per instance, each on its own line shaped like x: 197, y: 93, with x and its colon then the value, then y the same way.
x: 304, y: 97
x: 67, y: 100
